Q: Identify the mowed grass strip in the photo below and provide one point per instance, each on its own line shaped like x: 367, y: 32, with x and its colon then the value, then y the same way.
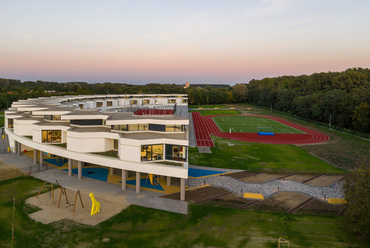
x: 258, y: 157
x: 251, y: 124
x: 218, y: 112
x: 136, y: 226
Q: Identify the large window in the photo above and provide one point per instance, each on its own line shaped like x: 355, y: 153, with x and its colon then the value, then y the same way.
x: 175, y: 128
x: 10, y: 123
x: 53, y: 117
x: 146, y: 101
x: 184, y: 100
x: 151, y: 152
x: 115, y: 144
x: 88, y: 122
x: 52, y: 136
x: 175, y: 152
x: 131, y: 127
x: 109, y: 103
x: 133, y: 102
x: 99, y: 104
x: 171, y: 101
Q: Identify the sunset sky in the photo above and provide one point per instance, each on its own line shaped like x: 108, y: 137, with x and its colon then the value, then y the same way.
x: 202, y: 41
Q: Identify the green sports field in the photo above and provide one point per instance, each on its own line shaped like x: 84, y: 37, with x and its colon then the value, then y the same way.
x: 251, y: 124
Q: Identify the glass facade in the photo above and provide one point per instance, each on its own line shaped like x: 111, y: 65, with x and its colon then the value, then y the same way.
x: 10, y: 123
x: 151, y: 152
x: 150, y: 127
x: 175, y: 152
x: 52, y: 136
x: 53, y: 117
x: 109, y: 103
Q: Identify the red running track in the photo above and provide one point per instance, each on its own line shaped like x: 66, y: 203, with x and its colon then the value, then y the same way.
x: 207, y: 127
x: 153, y: 112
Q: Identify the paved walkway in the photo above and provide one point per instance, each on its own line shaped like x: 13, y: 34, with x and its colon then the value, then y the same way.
x: 270, y: 188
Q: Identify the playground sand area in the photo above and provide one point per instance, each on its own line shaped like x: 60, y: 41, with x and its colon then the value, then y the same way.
x: 49, y: 212
x: 8, y: 172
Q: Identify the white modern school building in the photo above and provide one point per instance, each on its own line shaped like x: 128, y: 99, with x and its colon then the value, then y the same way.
x: 82, y: 128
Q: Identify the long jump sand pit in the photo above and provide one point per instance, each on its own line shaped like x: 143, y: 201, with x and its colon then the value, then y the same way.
x: 50, y: 213
x: 325, y: 180
x: 263, y: 177
x: 282, y: 201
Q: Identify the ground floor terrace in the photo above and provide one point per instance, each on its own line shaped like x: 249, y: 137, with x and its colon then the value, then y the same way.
x: 153, y: 176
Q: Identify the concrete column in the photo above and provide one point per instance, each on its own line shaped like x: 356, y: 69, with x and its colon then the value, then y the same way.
x: 41, y: 159
x: 79, y: 169
x: 168, y: 181
x: 111, y: 171
x: 124, y: 173
x: 70, y: 167
x: 182, y: 189
x: 19, y: 148
x: 137, y: 182
x: 15, y: 147
x: 34, y: 157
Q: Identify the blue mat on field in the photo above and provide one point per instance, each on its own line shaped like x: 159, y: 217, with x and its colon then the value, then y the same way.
x: 202, y: 173
x: 97, y: 173
x: 55, y: 161
x: 145, y: 183
x: 266, y: 133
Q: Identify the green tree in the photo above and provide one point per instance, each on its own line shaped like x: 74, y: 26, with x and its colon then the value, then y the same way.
x: 361, y: 118
x: 240, y: 92
x: 357, y: 196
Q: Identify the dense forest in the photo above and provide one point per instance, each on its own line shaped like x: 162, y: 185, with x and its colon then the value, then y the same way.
x: 340, y: 97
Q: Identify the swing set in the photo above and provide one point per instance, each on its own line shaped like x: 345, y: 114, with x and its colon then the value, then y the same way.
x: 63, y: 191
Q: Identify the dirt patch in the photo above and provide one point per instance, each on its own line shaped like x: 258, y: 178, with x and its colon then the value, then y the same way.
x: 8, y: 172
x: 50, y: 213
x: 263, y: 177
x: 300, y: 177
x: 199, y: 195
x: 286, y: 200
x: 325, y: 180
x: 241, y: 174
x: 319, y: 207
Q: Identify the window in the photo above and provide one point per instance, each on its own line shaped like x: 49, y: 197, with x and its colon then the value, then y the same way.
x: 151, y: 152
x: 91, y: 122
x: 171, y: 101
x: 81, y: 106
x: 115, y: 145
x: 184, y: 100
x: 131, y: 127
x: 133, y: 102
x: 175, y: 128
x: 52, y: 136
x: 99, y: 104
x: 174, y: 152
x: 109, y: 103
x: 53, y: 117
x: 10, y: 123
x: 146, y: 101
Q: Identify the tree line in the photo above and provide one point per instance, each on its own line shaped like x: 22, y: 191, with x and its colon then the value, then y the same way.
x: 339, y: 98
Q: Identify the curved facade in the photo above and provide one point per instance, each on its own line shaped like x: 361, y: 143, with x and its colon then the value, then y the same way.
x: 140, y: 133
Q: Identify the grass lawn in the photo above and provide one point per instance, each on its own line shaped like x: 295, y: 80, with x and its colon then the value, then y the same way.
x: 143, y: 227
x: 259, y: 157
x: 250, y: 124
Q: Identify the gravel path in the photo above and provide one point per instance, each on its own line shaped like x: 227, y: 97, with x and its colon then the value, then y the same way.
x: 270, y: 188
